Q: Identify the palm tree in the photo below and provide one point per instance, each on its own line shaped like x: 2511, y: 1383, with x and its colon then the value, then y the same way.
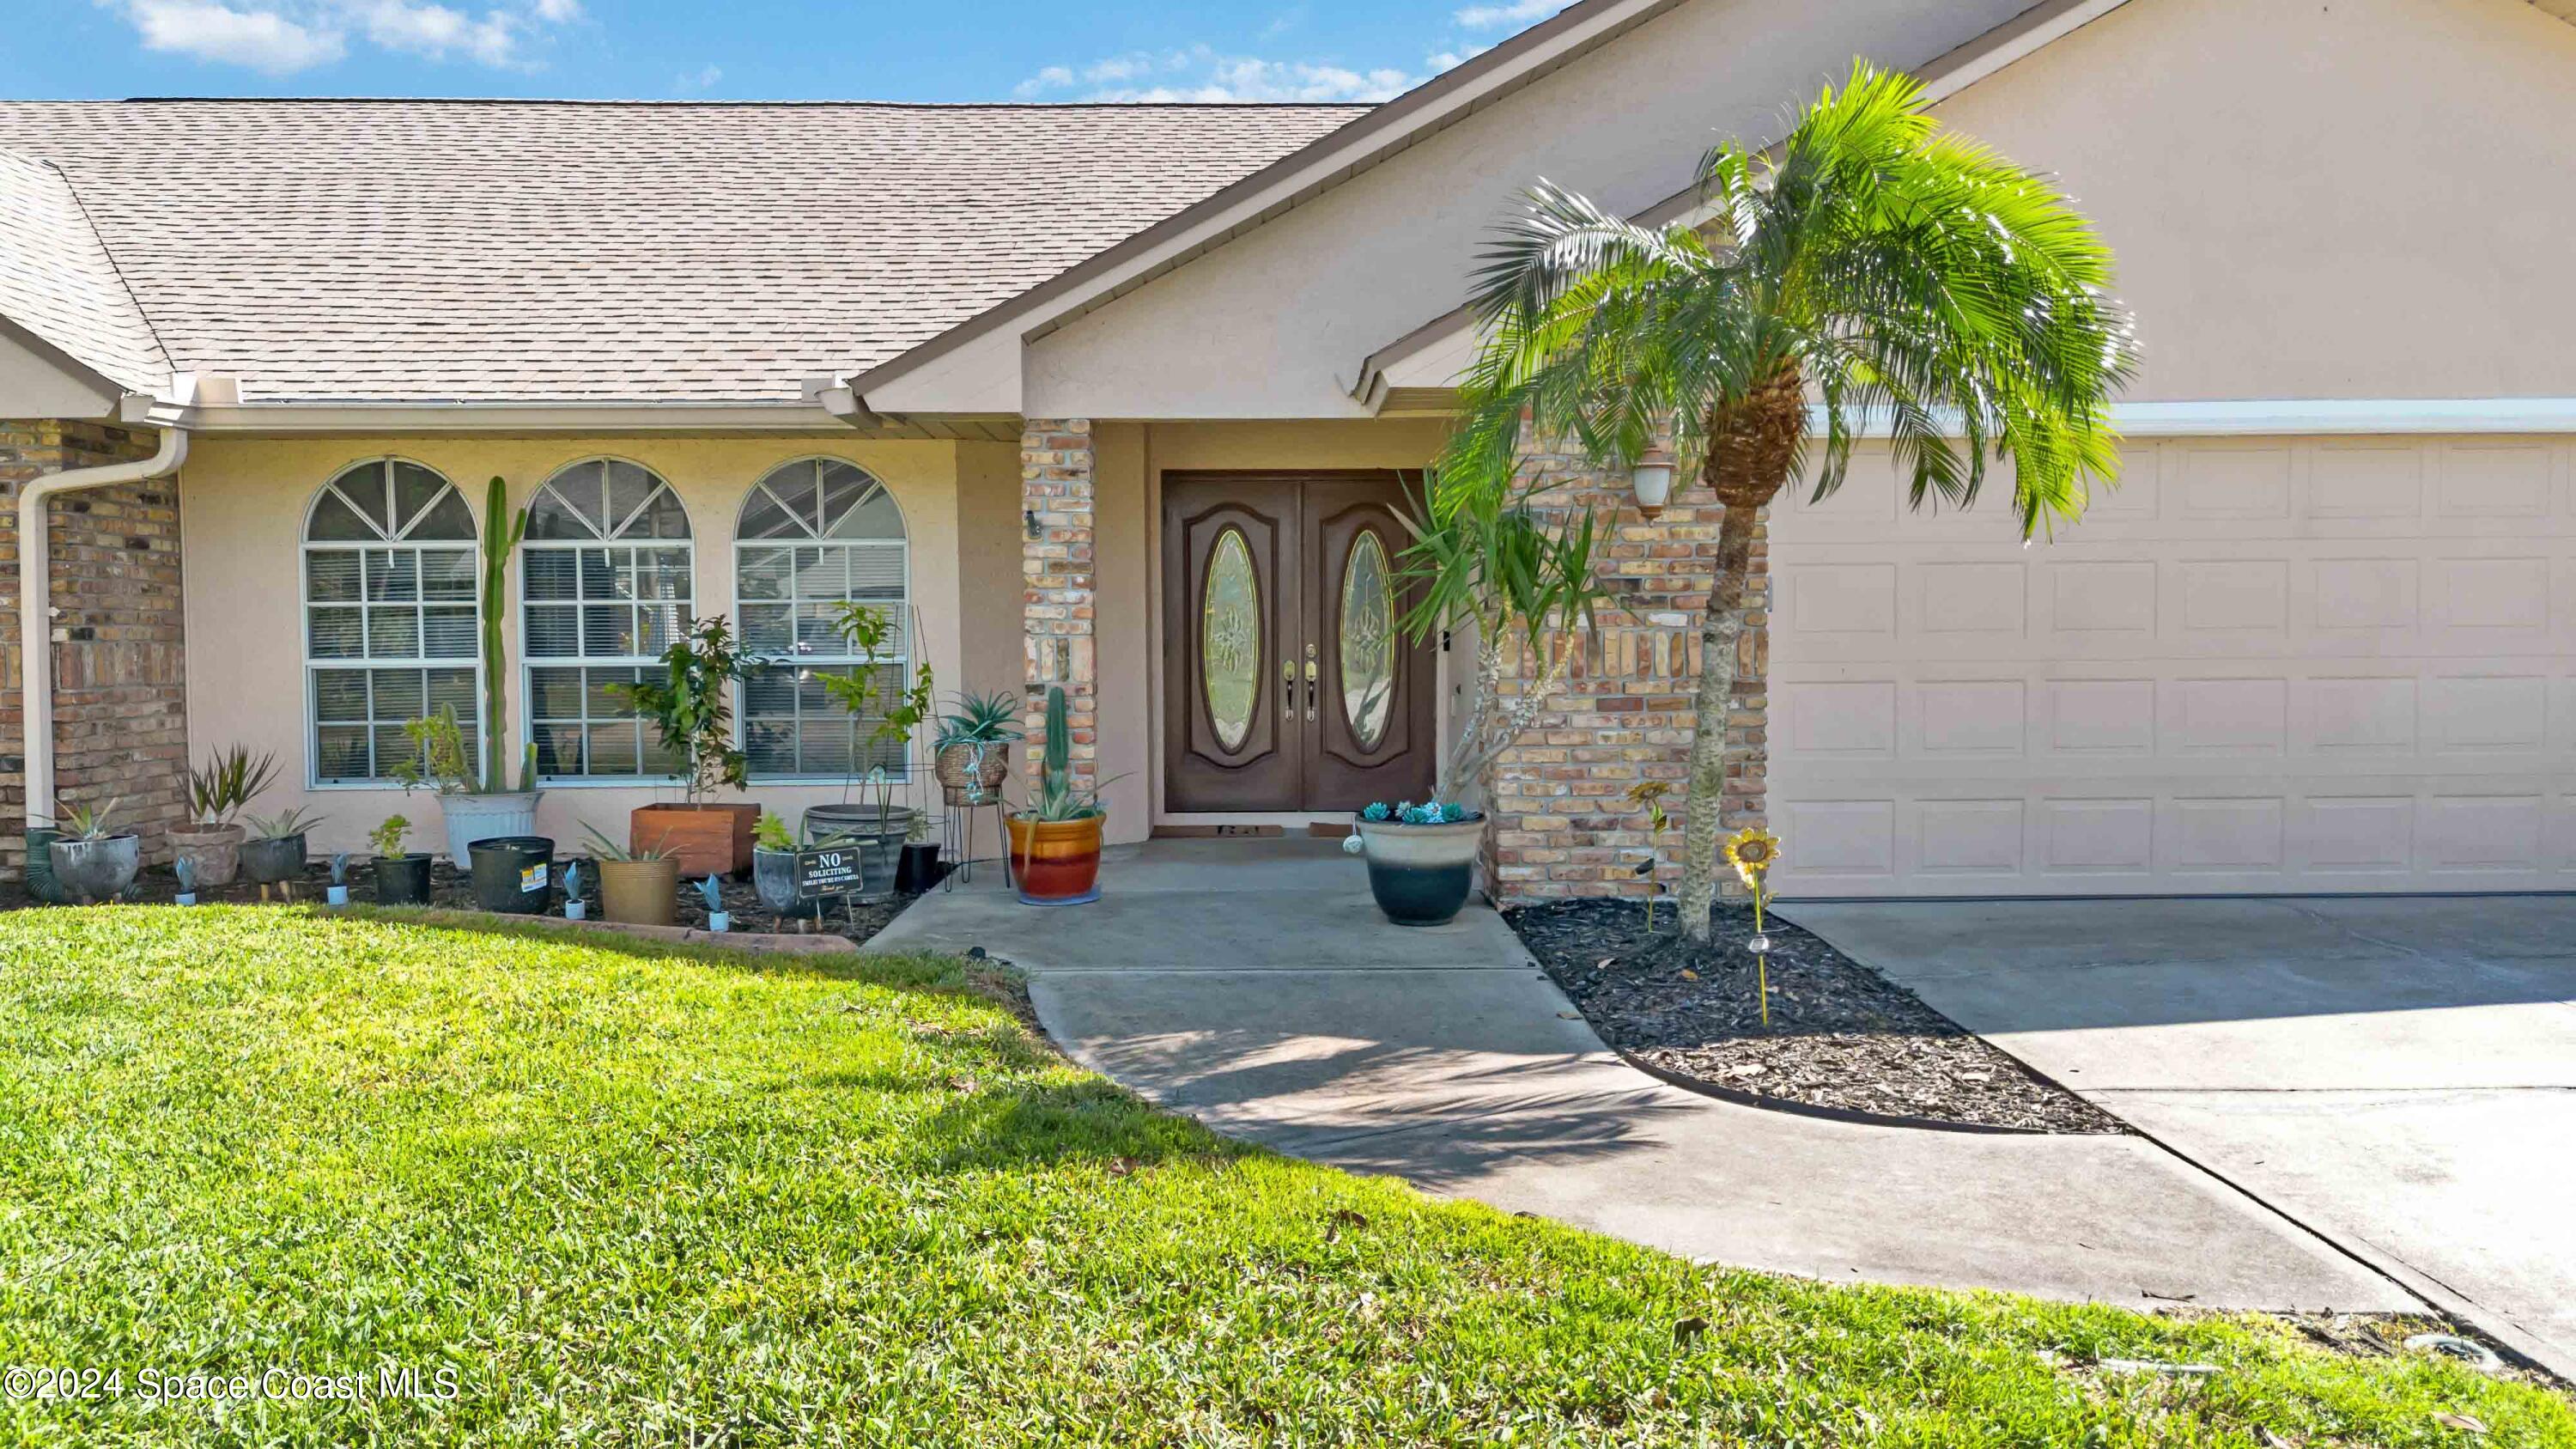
x: 1901, y: 277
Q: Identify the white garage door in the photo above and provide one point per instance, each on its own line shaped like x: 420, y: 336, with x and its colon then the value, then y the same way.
x: 2263, y: 664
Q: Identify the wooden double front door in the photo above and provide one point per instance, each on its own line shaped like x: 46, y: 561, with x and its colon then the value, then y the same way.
x: 1288, y: 683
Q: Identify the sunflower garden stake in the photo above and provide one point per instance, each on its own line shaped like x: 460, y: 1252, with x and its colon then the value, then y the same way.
x: 1753, y: 851
x: 1651, y: 793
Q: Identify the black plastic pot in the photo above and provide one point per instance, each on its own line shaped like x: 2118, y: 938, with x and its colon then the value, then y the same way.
x: 514, y: 874
x: 403, y: 880
x: 919, y: 869
x: 267, y: 860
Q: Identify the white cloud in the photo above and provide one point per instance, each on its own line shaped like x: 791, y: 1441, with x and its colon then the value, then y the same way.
x: 1515, y: 14
x: 1452, y: 59
x: 281, y: 37
x: 1200, y: 73
x: 261, y: 39
x: 702, y: 79
x: 438, y: 32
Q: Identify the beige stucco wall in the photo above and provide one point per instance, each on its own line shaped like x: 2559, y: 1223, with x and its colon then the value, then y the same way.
x: 1275, y: 322
x: 1133, y: 456
x: 243, y: 503
x: 2365, y: 199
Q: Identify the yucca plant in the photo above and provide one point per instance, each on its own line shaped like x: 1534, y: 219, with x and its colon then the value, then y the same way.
x: 1869, y: 264
x: 284, y: 824
x: 218, y: 789
x: 86, y: 822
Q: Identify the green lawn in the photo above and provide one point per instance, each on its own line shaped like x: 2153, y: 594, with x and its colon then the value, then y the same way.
x: 624, y: 1196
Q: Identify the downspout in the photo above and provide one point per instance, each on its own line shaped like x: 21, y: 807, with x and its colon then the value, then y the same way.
x: 36, y: 627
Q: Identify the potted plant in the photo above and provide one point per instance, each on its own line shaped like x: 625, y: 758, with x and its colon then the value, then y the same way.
x: 1055, y: 842
x: 275, y: 854
x: 773, y: 863
x: 402, y: 876
x: 920, y: 868
x: 575, y: 908
x: 1486, y: 564
x: 712, y: 891
x: 692, y: 709
x: 479, y: 805
x: 92, y: 861
x: 640, y: 887
x: 513, y: 874
x: 972, y: 756
x: 868, y: 632
x: 338, y: 893
x: 217, y: 791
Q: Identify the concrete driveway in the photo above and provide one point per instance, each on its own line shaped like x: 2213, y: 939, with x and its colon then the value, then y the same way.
x: 2398, y: 1074
x: 1253, y: 985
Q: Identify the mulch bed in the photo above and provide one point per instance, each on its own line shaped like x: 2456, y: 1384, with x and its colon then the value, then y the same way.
x: 452, y: 889
x: 1841, y: 1036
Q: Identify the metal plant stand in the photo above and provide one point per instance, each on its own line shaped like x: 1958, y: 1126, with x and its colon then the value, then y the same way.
x: 961, y: 833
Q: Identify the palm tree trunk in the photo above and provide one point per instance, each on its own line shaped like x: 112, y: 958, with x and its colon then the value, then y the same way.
x: 1752, y: 446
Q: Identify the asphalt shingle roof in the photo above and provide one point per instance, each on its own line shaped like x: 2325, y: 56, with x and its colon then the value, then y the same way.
x: 57, y: 282
x: 551, y: 251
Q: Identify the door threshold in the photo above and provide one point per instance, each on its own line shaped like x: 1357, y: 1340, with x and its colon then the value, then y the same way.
x: 1251, y: 829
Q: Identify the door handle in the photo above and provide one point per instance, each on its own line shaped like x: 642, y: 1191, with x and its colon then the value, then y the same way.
x: 1288, y: 690
x: 1310, y: 691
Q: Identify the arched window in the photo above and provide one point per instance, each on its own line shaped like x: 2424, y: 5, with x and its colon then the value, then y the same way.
x: 814, y: 534
x: 606, y: 584
x: 392, y: 624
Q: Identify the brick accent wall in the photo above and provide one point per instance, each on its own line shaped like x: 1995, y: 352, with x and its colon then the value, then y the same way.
x: 1059, y: 605
x: 120, y: 702
x: 1561, y: 825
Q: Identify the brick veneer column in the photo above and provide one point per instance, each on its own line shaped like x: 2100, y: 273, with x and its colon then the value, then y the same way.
x: 120, y: 675
x: 1058, y: 608
x: 1561, y: 826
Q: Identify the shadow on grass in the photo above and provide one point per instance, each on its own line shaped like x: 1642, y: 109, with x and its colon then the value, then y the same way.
x: 1021, y: 1125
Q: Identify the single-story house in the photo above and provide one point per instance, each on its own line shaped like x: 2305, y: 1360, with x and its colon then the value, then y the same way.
x: 1122, y: 398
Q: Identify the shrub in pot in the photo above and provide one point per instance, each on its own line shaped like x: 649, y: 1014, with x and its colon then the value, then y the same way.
x: 275, y: 853
x: 92, y: 860
x: 480, y: 805
x: 868, y: 692
x: 773, y: 864
x: 217, y: 791
x: 636, y: 887
x: 1480, y: 562
x: 690, y: 708
x: 402, y: 876
x: 1055, y: 842
x: 972, y: 756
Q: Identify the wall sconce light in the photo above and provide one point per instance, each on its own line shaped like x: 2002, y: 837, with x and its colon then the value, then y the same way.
x: 1653, y: 480
x: 1029, y: 524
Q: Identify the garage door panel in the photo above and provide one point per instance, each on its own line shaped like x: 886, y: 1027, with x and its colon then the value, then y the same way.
x: 2330, y: 664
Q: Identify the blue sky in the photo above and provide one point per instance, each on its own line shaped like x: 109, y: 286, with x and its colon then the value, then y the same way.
x: 964, y: 50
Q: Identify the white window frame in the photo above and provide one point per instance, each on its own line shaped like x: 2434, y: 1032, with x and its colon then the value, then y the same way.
x: 902, y: 607
x: 314, y: 665
x: 530, y: 662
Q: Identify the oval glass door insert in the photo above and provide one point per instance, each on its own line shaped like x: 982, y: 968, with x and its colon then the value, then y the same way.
x: 1368, y: 641
x: 1230, y: 639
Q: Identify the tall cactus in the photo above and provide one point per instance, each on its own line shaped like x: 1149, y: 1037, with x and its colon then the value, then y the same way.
x: 1057, y: 762
x: 502, y: 531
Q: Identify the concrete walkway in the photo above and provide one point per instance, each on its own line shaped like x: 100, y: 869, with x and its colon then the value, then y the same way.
x: 1253, y: 985
x: 2397, y: 1072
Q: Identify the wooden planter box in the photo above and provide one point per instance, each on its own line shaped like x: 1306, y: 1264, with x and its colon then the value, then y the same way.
x: 704, y: 839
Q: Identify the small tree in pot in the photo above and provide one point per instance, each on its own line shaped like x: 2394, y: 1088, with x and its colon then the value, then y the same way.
x: 865, y: 692
x: 402, y: 876
x: 1486, y: 565
x: 691, y: 707
x: 217, y: 791
x: 92, y: 861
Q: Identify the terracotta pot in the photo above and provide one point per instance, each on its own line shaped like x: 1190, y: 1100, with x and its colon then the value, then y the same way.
x: 701, y: 839
x: 214, y: 852
x: 964, y: 781
x: 1056, y: 862
x: 640, y: 892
